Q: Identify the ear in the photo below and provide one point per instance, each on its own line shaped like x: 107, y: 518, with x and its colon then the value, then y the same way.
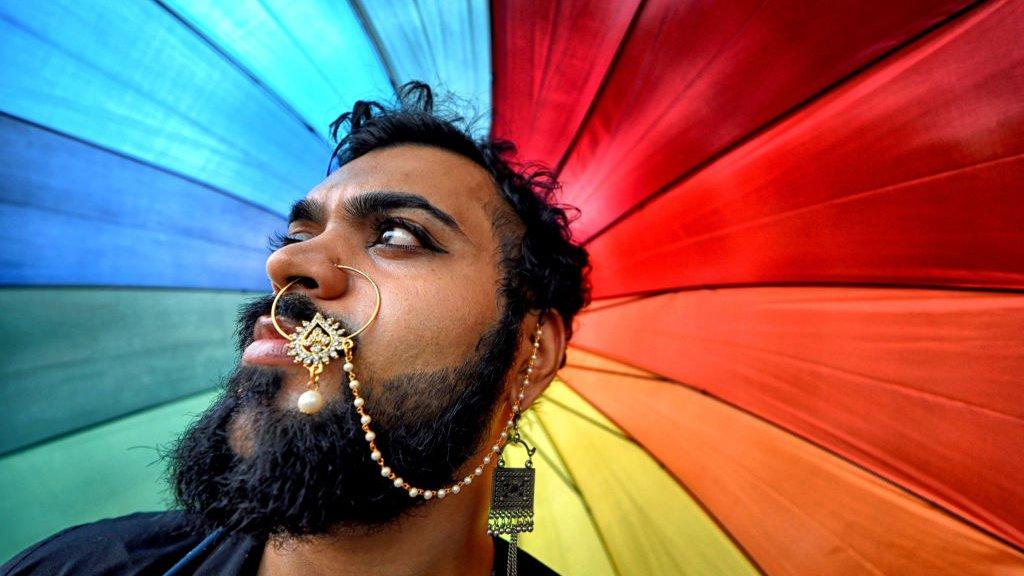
x: 550, y: 352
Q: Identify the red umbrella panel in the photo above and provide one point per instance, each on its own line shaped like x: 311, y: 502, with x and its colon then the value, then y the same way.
x: 812, y: 213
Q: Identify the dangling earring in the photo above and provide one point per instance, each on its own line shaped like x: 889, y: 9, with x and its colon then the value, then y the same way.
x: 318, y: 341
x: 512, y: 497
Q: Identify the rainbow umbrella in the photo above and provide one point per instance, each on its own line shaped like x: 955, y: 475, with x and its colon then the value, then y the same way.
x: 806, y: 224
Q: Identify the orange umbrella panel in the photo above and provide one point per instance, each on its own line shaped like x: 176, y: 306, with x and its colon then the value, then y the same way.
x: 795, y: 508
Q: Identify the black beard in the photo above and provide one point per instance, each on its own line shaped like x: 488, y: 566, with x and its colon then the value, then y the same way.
x: 308, y: 474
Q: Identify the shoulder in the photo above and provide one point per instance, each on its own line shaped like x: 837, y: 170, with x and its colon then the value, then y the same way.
x: 141, y: 543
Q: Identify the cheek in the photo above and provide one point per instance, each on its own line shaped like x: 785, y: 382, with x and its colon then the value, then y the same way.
x: 430, y: 325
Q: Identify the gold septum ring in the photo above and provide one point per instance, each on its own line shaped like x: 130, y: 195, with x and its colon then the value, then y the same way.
x: 316, y: 342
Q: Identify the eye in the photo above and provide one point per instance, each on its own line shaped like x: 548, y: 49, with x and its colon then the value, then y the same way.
x: 277, y: 240
x: 400, y: 234
x: 396, y: 235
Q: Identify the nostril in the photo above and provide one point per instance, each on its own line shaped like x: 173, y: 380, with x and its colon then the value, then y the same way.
x: 305, y: 282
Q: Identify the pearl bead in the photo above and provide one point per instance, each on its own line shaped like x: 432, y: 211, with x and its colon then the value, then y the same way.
x: 441, y: 494
x: 310, y: 402
x: 478, y: 471
x: 364, y: 420
x: 348, y: 367
x: 467, y: 480
x: 428, y: 495
x: 456, y: 489
x: 487, y: 459
x: 522, y: 395
x: 399, y: 482
x: 358, y: 402
x: 353, y: 384
x: 495, y: 448
x: 370, y: 436
x: 375, y: 455
x: 414, y: 492
x: 385, y: 471
x: 504, y: 435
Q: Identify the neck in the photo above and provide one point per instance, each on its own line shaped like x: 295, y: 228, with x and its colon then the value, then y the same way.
x: 440, y: 537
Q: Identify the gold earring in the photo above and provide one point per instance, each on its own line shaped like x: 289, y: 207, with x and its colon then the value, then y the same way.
x: 318, y: 341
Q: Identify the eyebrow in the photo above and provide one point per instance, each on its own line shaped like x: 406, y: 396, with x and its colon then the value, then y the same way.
x: 368, y: 204
x: 308, y: 210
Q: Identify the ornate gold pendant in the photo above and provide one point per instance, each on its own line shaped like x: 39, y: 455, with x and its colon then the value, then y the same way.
x: 317, y: 341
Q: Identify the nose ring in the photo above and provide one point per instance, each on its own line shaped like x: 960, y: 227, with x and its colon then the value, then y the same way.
x: 319, y: 340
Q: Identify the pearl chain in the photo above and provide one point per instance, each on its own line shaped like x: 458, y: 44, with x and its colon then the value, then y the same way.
x: 398, y: 481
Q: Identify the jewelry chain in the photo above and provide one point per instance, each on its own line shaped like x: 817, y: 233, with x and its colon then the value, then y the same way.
x: 375, y: 454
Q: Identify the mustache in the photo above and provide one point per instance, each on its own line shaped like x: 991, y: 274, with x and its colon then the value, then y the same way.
x: 295, y: 306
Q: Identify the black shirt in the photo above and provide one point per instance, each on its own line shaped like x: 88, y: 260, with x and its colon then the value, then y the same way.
x: 150, y: 543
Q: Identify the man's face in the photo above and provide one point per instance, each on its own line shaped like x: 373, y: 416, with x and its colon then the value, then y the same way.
x: 418, y: 220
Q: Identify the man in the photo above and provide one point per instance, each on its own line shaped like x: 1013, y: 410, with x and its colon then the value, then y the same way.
x: 478, y: 286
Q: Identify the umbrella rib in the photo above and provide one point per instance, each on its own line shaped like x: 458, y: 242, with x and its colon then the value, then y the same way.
x: 302, y: 50
x: 591, y: 420
x: 144, y: 162
x: 131, y: 226
x: 650, y: 376
x: 656, y: 377
x: 271, y: 93
x: 608, y: 73
x: 375, y: 40
x: 554, y: 466
x: 101, y: 423
x: 628, y: 300
x: 583, y: 501
x: 778, y: 119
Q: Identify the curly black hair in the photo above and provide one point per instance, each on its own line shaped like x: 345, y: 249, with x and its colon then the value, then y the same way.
x: 543, y: 269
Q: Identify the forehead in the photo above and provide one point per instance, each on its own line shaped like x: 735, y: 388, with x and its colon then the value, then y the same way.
x: 453, y: 183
